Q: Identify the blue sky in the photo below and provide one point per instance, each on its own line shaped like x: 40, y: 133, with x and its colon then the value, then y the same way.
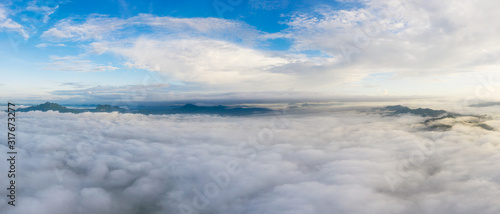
x: 103, y: 51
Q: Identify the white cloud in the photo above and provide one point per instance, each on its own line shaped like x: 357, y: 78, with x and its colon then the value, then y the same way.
x: 204, y: 61
x: 216, y: 53
x: 153, y: 90
x: 95, y: 27
x: 7, y: 24
x: 44, y: 45
x: 227, y: 66
x: 99, y: 27
x: 38, y: 7
x: 411, y: 37
x: 116, y: 94
x: 200, y: 51
x: 330, y: 162
x: 406, y: 39
x: 76, y: 64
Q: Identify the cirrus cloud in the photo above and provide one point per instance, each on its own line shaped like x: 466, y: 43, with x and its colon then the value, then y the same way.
x: 7, y: 24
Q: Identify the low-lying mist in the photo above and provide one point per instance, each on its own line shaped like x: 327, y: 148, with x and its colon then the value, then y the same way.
x: 317, y: 162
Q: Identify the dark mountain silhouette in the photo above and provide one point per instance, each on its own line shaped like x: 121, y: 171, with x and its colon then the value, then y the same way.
x: 485, y: 126
x: 109, y: 108
x: 186, y: 109
x: 485, y: 104
x: 50, y: 107
x: 56, y: 107
x: 217, y: 110
x: 424, y: 112
x: 440, y: 120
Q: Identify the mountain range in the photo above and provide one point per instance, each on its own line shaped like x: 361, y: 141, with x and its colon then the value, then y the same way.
x: 185, y: 109
x: 440, y: 120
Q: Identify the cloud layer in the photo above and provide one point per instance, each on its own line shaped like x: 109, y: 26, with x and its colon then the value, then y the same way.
x: 334, y: 162
x: 417, y: 37
x: 330, y: 49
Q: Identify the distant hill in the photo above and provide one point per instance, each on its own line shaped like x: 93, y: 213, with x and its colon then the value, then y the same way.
x: 217, y: 110
x: 440, y: 120
x: 109, y: 108
x: 424, y: 112
x: 50, y: 107
x: 186, y: 109
x: 56, y: 107
x: 485, y: 104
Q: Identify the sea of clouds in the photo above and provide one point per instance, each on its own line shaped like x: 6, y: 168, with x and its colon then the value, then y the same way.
x: 324, y: 162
